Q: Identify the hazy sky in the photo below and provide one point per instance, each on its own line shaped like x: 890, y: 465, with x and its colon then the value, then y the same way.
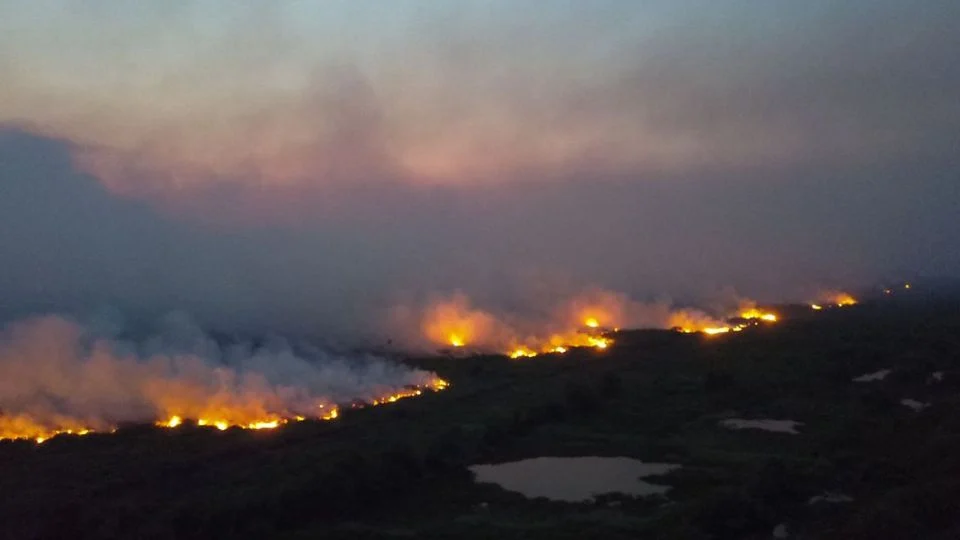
x: 305, y: 164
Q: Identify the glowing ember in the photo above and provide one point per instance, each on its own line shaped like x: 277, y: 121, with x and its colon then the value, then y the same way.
x: 816, y: 307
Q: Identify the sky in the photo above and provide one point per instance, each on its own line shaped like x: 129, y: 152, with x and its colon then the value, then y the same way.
x: 305, y: 166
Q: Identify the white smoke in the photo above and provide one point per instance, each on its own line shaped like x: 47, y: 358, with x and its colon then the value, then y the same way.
x: 60, y: 374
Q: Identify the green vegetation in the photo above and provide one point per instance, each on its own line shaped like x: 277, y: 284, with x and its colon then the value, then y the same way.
x: 399, y: 471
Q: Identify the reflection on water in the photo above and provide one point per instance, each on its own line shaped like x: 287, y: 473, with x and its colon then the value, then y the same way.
x: 574, y: 479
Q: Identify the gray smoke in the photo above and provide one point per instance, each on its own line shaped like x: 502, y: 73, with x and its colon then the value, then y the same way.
x: 60, y: 374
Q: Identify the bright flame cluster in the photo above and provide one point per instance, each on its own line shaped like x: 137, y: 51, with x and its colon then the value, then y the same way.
x: 590, y: 335
x: 24, y: 427
x: 325, y: 412
x: 754, y: 314
x: 745, y: 317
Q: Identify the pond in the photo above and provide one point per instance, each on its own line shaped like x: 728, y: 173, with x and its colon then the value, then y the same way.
x: 777, y: 426
x: 574, y: 479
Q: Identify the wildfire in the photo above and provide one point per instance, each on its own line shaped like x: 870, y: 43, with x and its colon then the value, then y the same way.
x: 835, y: 299
x: 26, y: 427
x: 599, y: 342
x: 755, y: 314
x: 22, y: 427
x: 47, y: 436
x: 844, y: 299
x: 591, y: 322
x: 521, y: 352
x: 716, y: 330
x: 693, y: 321
x: 456, y: 323
x: 561, y: 344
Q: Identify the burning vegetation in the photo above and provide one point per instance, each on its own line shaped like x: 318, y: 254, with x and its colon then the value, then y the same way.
x: 453, y: 324
x: 834, y: 299
x: 57, y: 378
x: 589, y: 320
x: 689, y: 322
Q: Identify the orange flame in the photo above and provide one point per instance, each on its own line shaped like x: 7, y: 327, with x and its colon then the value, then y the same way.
x: 834, y: 299
x: 454, y: 322
x: 23, y: 427
x: 844, y: 299
x: 754, y: 313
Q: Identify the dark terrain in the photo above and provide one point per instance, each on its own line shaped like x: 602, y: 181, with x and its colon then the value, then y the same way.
x: 399, y: 471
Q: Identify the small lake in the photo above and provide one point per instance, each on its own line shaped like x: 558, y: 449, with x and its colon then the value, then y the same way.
x: 574, y: 479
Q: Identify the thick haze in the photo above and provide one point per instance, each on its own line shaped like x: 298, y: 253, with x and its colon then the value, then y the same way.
x: 309, y: 166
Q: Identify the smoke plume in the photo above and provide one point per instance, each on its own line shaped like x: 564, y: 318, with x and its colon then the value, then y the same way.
x: 57, y: 374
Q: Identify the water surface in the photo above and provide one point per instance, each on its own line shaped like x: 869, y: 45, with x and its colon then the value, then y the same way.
x: 574, y: 479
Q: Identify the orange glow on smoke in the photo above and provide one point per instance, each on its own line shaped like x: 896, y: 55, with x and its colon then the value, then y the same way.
x: 716, y: 330
x: 693, y: 321
x: 834, y: 299
x: 561, y: 344
x: 24, y: 427
x: 454, y: 323
x: 844, y: 299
